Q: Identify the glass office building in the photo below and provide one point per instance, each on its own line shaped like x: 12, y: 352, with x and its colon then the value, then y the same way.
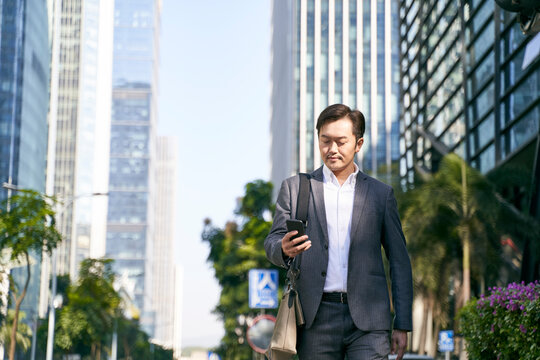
x: 24, y: 99
x: 79, y: 126
x: 164, y: 268
x: 471, y: 85
x: 130, y: 220
x: 24, y: 93
x: 333, y: 51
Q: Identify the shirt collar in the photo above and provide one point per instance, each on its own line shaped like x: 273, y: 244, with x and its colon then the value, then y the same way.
x: 328, y: 176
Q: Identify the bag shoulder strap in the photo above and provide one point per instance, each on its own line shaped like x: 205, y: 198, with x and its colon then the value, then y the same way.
x: 302, y: 206
x: 303, y: 198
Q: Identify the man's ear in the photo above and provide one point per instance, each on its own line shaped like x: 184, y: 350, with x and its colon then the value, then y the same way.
x: 359, y: 144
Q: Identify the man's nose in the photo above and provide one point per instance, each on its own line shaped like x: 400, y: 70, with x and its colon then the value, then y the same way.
x: 333, y: 147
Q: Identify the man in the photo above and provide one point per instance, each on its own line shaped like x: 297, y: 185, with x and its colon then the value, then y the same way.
x: 342, y: 283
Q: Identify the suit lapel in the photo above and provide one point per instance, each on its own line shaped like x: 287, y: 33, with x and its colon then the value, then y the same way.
x: 360, y: 194
x: 317, y: 189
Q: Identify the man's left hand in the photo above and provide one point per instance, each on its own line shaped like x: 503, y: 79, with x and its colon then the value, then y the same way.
x: 399, y: 343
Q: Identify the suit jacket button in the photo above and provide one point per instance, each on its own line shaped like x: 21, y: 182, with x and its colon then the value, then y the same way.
x: 323, y: 273
x: 326, y: 246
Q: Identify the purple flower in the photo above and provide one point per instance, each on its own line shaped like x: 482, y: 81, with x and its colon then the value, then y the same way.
x: 522, y: 328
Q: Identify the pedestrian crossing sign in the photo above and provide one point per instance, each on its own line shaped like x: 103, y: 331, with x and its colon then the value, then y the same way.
x: 263, y: 289
x: 446, y: 340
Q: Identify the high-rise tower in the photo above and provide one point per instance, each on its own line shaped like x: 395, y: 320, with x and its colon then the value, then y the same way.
x: 79, y: 126
x: 333, y: 51
x: 471, y: 85
x: 24, y: 98
x: 164, y: 269
x: 130, y: 231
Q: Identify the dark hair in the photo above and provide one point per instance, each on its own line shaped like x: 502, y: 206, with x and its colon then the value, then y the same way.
x: 339, y: 111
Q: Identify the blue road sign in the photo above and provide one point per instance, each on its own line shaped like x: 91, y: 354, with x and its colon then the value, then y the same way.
x: 263, y: 289
x: 213, y: 356
x: 446, y: 340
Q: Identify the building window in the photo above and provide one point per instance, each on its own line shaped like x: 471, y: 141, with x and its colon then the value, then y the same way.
x: 482, y: 43
x: 487, y: 159
x: 482, y: 104
x: 524, y: 130
x: 521, y: 98
x: 480, y: 76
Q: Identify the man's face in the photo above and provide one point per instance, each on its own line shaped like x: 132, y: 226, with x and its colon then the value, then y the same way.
x: 338, y: 144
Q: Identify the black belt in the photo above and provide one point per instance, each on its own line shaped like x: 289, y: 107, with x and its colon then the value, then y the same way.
x: 338, y: 297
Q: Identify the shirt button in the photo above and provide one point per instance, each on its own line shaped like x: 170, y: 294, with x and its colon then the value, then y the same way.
x: 323, y: 274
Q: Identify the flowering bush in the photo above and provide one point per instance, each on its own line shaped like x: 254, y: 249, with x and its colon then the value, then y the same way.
x: 504, y: 325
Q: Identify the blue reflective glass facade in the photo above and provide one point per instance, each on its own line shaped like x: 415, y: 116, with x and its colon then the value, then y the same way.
x: 24, y: 96
x: 129, y: 229
x: 471, y: 82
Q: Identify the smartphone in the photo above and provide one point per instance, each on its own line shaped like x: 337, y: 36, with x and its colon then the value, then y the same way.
x: 298, y: 225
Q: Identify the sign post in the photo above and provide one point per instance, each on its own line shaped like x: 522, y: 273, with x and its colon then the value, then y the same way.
x: 446, y: 342
x: 263, y: 289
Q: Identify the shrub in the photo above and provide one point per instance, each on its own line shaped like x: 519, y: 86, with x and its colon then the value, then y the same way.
x: 503, y: 325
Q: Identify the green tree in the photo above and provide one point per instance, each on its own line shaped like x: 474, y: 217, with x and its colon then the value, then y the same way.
x: 433, y: 250
x: 86, y: 322
x: 24, y: 333
x: 62, y: 285
x: 4, y: 277
x: 234, y: 250
x: 134, y: 343
x: 455, y: 215
x: 73, y: 320
x: 26, y: 226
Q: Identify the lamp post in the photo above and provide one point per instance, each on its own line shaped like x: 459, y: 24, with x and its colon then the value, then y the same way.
x: 52, y: 314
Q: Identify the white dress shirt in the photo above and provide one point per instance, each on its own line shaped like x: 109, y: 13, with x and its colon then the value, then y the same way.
x: 338, y: 202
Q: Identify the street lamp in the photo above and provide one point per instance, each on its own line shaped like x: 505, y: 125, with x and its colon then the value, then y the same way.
x: 52, y: 312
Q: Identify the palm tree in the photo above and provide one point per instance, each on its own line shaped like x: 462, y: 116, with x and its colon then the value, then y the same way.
x: 473, y: 208
x: 23, y: 334
x: 455, y: 213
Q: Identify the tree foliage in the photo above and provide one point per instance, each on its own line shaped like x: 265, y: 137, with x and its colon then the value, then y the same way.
x: 503, y: 324
x: 134, y: 344
x: 26, y: 227
x: 92, y: 309
x: 454, y: 211
x: 234, y: 250
x: 86, y: 322
x: 23, y: 335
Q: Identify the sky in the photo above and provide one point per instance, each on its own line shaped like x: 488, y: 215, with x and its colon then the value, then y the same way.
x: 215, y: 99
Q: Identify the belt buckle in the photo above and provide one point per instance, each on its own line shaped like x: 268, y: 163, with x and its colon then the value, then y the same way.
x: 341, y: 298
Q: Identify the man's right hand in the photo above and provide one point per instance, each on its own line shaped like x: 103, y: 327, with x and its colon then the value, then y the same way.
x: 290, y: 247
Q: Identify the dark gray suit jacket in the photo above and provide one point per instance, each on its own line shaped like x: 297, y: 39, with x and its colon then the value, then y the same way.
x: 375, y: 222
